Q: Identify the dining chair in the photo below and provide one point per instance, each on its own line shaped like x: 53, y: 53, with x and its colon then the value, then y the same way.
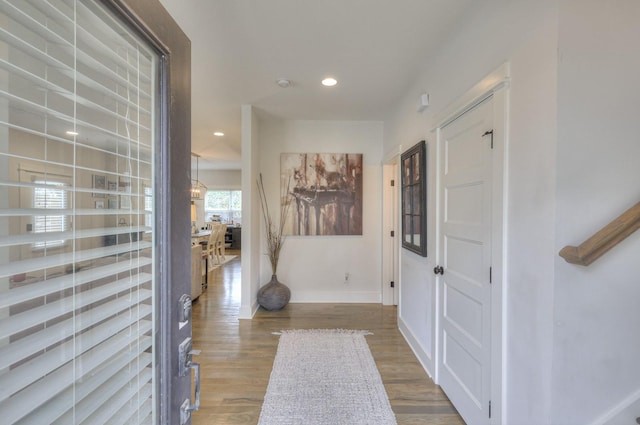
x: 210, y: 252
x: 219, y: 245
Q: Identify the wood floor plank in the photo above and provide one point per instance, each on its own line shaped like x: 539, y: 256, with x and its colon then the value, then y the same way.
x: 237, y: 355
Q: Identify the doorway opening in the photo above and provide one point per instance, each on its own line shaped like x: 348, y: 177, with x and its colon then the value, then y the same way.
x: 390, y: 250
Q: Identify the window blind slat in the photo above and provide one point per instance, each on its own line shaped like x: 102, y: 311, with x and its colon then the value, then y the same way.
x: 52, y: 310
x: 23, y: 13
x: 17, y: 212
x: 99, y: 139
x: 106, y: 337
x: 82, y: 56
x: 58, y: 11
x: 27, y: 346
x: 29, y: 115
x: 24, y: 46
x: 140, y: 407
x: 34, y: 108
x: 141, y: 149
x: 70, y: 189
x: 85, y: 80
x: 55, y: 260
x: 103, y: 67
x: 19, y: 405
x: 71, y: 234
x: 58, y: 284
x: 141, y: 416
x: 105, y: 407
x: 123, y: 366
x: 98, y: 405
x: 91, y: 27
x: 146, y: 421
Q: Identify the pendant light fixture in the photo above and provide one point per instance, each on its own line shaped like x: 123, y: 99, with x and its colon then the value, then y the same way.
x: 198, y: 189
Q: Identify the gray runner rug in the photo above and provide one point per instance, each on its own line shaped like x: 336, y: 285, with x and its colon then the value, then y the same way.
x: 325, y: 377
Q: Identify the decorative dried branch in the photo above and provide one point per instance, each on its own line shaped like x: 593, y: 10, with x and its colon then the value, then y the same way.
x: 274, y: 234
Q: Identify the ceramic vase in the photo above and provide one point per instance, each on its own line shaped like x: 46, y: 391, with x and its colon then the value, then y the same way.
x: 274, y: 295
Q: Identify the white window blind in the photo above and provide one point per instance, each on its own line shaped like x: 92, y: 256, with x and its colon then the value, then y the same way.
x: 77, y: 264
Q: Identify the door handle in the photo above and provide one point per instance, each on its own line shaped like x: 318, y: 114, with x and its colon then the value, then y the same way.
x: 196, y: 405
x: 186, y: 408
x: 438, y: 270
x: 186, y: 364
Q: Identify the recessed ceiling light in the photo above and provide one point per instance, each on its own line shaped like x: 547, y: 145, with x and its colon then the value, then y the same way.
x: 72, y: 133
x: 218, y: 133
x: 283, y: 82
x: 329, y: 82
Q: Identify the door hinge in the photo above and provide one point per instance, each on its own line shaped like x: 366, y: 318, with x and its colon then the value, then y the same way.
x: 393, y: 284
x: 489, y: 409
x: 489, y: 132
x: 393, y: 183
x: 490, y: 274
x: 393, y: 233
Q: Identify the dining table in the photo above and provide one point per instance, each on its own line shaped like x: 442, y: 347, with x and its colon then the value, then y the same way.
x: 200, y: 236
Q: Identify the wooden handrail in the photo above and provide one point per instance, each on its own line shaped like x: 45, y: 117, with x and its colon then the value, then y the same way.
x: 608, y: 237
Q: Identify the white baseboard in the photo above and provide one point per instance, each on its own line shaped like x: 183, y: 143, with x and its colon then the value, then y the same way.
x: 423, y: 357
x: 335, y: 297
x: 248, y: 312
x: 623, y: 413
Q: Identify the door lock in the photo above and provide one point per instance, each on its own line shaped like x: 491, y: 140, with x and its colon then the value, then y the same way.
x: 438, y: 270
x: 184, y: 308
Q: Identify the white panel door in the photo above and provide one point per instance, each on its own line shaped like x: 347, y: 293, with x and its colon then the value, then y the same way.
x: 465, y: 253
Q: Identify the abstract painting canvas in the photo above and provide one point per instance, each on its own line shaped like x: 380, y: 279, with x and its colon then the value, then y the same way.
x: 327, y: 193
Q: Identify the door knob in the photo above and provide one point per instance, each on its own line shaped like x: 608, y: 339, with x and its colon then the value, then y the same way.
x: 438, y: 270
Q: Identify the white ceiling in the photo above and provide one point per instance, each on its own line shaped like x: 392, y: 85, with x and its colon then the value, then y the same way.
x: 375, y: 49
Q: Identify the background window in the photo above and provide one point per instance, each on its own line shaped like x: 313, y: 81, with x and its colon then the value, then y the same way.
x: 50, y: 195
x: 227, y: 204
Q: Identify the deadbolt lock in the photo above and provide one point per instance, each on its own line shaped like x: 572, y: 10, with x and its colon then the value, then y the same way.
x: 184, y: 308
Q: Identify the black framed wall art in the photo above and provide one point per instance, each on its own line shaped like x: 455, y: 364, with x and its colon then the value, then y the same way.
x: 414, y: 199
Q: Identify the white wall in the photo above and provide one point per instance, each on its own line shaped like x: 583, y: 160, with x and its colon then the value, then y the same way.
x: 250, y: 260
x: 597, y: 319
x: 314, y: 266
x: 222, y: 179
x: 530, y: 226
x: 524, y: 34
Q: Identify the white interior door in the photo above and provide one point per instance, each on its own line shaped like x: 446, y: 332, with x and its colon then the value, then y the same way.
x: 465, y: 254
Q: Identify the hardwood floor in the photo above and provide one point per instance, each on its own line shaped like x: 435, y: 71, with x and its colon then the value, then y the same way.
x: 237, y: 355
